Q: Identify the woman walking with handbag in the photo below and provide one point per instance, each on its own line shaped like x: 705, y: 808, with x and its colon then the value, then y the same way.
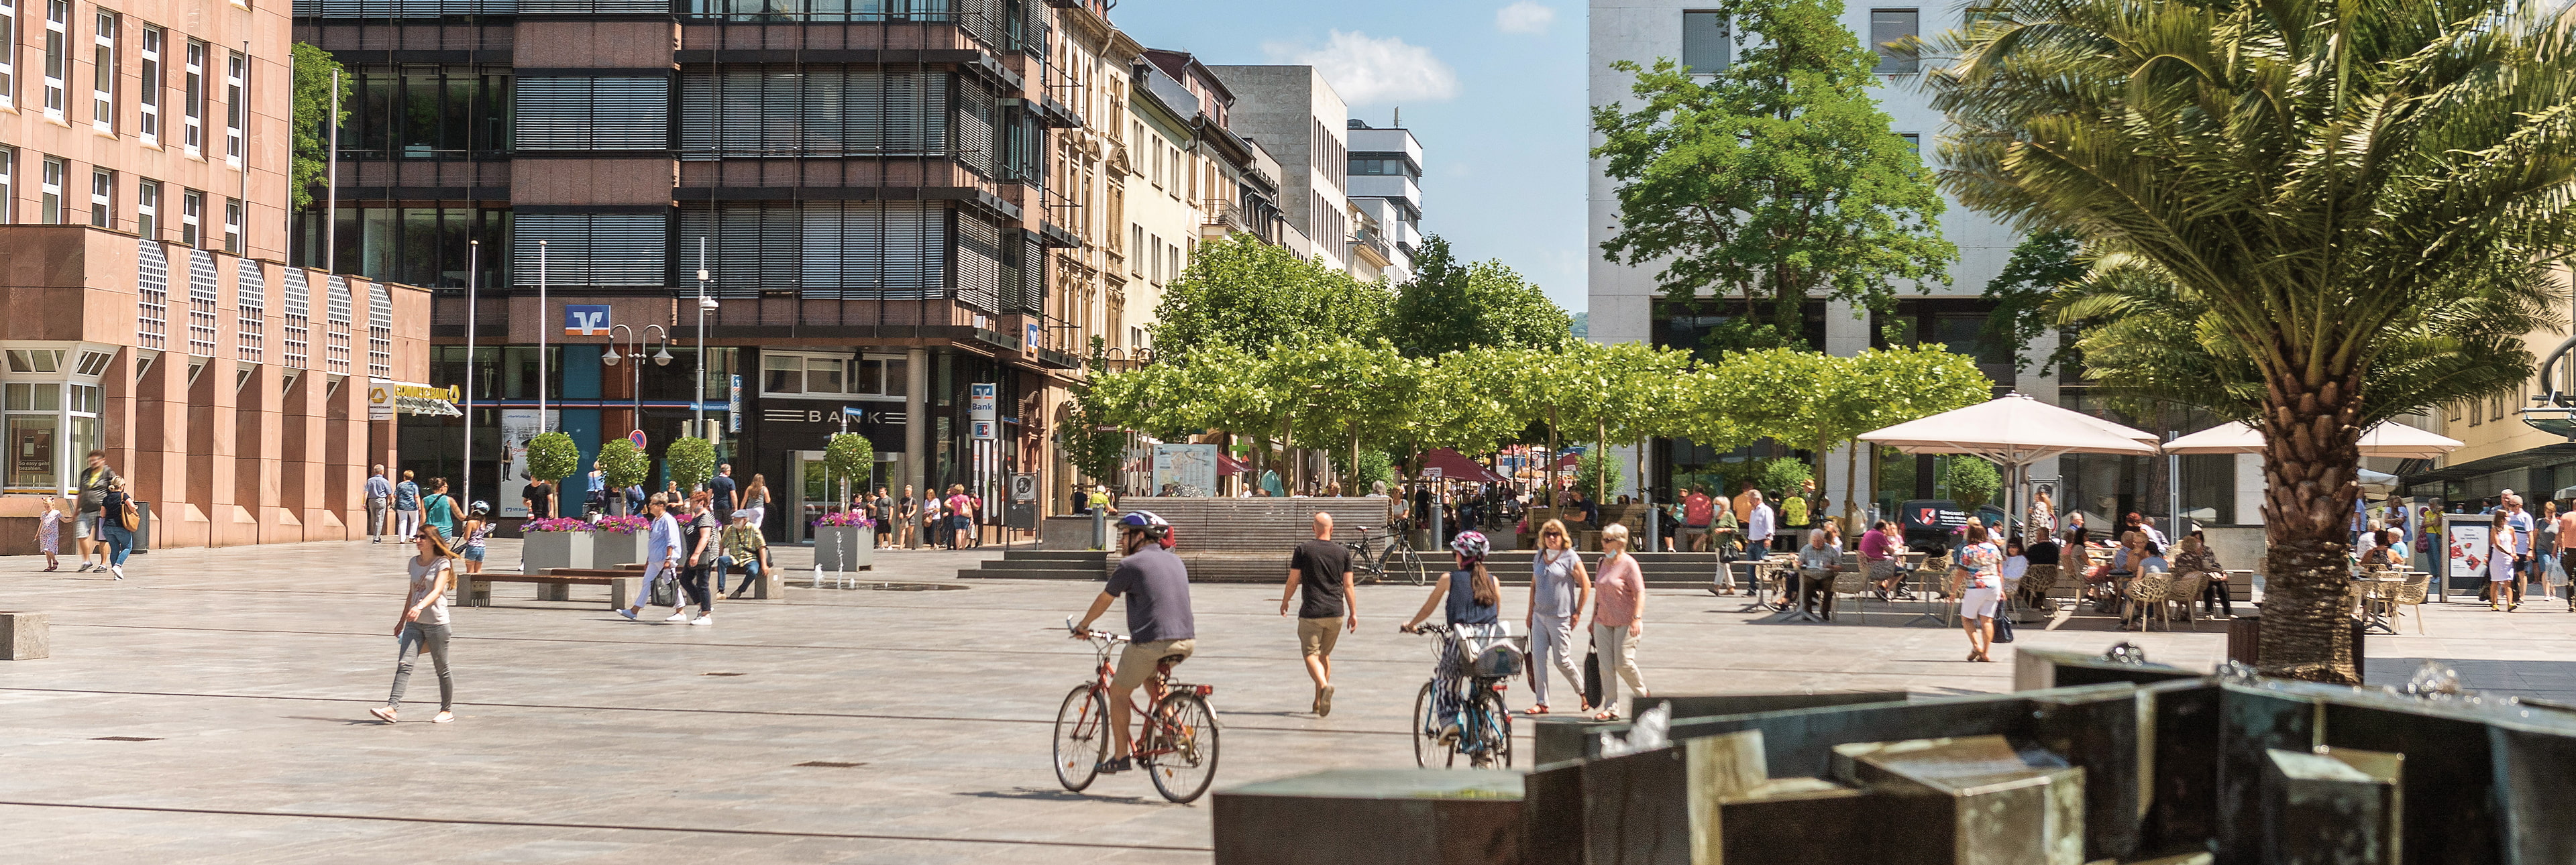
x: 423, y: 625
x: 1980, y: 569
x: 116, y: 524
x: 1559, y: 590
x: 1618, y: 619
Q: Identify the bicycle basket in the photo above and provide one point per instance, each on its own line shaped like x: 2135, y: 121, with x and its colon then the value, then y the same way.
x: 1499, y: 661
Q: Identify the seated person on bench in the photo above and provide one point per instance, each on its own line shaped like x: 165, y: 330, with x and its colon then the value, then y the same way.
x: 1818, y: 562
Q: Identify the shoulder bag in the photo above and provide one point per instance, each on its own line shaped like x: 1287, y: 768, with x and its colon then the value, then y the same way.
x: 133, y: 521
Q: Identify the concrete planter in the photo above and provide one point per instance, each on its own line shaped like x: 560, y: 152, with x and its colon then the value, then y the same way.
x: 557, y: 550
x: 616, y: 549
x: 845, y: 548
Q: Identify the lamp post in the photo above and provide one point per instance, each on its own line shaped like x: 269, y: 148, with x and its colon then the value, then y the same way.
x: 661, y: 357
x: 473, y: 253
x: 544, y: 318
x: 705, y: 303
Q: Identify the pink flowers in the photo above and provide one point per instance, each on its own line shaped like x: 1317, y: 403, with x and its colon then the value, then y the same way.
x: 846, y: 518
x: 556, y: 524
x: 624, y: 525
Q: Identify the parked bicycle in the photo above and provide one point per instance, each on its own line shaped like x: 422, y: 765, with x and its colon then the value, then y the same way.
x: 1176, y: 739
x: 1480, y: 728
x: 1387, y: 552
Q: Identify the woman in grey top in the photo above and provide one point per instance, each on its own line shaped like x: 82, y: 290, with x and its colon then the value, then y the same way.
x: 424, y: 624
x: 1559, y: 592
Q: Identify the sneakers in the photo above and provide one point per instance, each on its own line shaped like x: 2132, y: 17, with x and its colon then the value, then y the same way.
x: 1449, y: 732
x: 1112, y: 767
x: 680, y: 616
x: 1323, y: 701
x: 118, y: 570
x: 703, y: 620
x: 443, y: 716
x: 84, y: 568
x: 629, y: 614
x: 383, y: 713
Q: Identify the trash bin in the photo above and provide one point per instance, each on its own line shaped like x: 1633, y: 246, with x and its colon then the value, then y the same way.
x: 142, y: 527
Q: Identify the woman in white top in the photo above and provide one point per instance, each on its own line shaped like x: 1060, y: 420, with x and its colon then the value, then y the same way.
x: 1559, y: 592
x: 1980, y: 567
x: 424, y: 624
x: 2501, y: 551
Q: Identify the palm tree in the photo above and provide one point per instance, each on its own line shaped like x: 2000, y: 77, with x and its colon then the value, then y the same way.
x: 2325, y: 178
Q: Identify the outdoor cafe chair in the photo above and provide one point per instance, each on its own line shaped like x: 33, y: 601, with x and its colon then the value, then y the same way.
x: 2146, y: 594
x: 2185, y: 591
x: 2411, y: 594
x: 1854, y: 582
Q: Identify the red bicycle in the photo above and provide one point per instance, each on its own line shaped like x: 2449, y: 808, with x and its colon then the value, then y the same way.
x: 1177, y: 739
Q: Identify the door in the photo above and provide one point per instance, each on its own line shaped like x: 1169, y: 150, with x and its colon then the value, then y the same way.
x: 809, y: 494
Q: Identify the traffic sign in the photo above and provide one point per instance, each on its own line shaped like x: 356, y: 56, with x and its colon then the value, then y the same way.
x: 1024, y: 488
x: 637, y: 437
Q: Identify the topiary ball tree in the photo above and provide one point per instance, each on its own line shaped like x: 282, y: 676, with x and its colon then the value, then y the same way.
x: 848, y: 455
x: 552, y: 457
x: 623, y: 464
x: 691, y: 460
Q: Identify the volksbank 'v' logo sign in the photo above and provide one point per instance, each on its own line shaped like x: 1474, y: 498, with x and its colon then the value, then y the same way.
x: 585, y: 319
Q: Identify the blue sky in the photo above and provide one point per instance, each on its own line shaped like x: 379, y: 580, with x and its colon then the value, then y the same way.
x: 1493, y: 88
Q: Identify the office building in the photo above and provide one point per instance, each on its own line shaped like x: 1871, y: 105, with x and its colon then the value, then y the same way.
x: 1385, y: 185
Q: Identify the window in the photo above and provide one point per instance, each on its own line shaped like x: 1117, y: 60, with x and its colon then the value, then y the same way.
x: 592, y: 113
x: 58, y: 18
x: 8, y: 182
x: 1154, y: 250
x: 102, y: 198
x: 1913, y: 143
x: 147, y: 209
x: 236, y: 107
x: 828, y: 110
x: 812, y: 375
x: 148, y: 95
x: 1707, y: 47
x: 233, y: 226
x: 8, y: 53
x: 192, y: 100
x: 250, y: 321
x: 423, y: 246
x: 102, y: 87
x: 832, y: 250
x: 426, y: 112
x: 1892, y: 32
x: 192, y: 213
x: 1136, y: 250
x: 52, y: 188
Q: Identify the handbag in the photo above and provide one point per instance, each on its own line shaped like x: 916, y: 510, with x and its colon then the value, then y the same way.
x: 132, y: 520
x: 2003, y: 629
x: 1591, y: 675
x: 666, y: 591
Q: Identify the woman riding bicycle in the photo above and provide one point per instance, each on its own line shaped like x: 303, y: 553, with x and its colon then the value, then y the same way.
x: 1473, y: 599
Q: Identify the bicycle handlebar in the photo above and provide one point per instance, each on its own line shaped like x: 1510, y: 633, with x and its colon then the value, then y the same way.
x: 1080, y: 634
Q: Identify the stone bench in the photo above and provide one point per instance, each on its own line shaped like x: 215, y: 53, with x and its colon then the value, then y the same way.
x: 24, y: 637
x: 553, y: 585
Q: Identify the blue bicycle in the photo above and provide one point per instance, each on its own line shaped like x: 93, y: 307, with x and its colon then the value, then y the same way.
x: 1480, y: 728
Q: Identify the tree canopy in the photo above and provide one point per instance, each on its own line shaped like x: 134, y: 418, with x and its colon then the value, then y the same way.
x: 1774, y: 181
x: 1453, y: 306
x: 1242, y: 293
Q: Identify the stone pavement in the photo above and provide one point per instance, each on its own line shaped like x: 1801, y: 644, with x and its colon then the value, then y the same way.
x: 586, y: 738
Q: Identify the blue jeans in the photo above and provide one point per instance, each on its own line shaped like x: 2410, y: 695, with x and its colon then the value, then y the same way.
x: 119, y: 541
x: 724, y: 565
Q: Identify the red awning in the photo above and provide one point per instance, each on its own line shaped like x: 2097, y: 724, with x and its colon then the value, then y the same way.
x: 1227, y: 465
x: 1567, y: 461
x: 1457, y: 467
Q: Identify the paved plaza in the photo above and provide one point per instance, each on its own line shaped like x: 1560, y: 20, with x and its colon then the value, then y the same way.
x: 902, y: 723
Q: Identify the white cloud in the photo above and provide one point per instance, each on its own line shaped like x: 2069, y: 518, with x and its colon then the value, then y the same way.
x: 1368, y: 71
x: 1526, y: 16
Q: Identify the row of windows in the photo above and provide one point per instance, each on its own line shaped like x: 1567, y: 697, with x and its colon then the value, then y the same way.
x: 106, y: 206
x: 792, y: 374
x: 1708, y: 45
x: 99, y: 106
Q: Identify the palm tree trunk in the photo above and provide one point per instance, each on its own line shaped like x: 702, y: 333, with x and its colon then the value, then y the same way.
x: 2310, y: 456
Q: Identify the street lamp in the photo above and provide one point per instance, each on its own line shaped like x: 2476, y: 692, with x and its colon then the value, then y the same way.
x: 661, y: 357
x: 705, y: 303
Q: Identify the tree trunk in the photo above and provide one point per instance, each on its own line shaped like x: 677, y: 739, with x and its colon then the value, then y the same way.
x: 1352, y: 488
x: 1548, y: 472
x: 1851, y: 486
x: 2310, y: 459
x: 1601, y: 444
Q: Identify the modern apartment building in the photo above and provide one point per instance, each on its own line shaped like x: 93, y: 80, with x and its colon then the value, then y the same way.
x: 1385, y: 186
x: 893, y: 209
x: 143, y: 200
x: 1626, y: 305
x: 1292, y: 113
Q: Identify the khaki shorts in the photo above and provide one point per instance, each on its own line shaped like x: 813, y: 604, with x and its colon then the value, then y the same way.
x: 1317, y: 636
x: 1137, y: 663
x: 1881, y: 570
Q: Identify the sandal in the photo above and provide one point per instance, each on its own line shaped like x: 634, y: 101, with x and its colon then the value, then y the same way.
x: 1606, y: 715
x: 1540, y: 709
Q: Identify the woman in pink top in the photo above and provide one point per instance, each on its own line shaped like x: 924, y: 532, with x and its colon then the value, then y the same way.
x: 1980, y: 566
x: 1618, y: 617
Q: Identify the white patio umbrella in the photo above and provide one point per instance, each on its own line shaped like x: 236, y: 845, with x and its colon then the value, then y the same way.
x: 2013, y: 431
x: 2389, y: 439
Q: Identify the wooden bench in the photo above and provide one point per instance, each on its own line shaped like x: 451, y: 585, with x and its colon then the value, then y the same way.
x: 554, y: 584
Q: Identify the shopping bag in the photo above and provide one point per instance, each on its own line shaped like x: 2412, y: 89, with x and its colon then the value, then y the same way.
x: 2003, y: 628
x: 666, y: 591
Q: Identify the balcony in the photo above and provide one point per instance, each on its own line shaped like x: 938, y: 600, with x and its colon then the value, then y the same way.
x: 1369, y: 246
x: 1217, y: 211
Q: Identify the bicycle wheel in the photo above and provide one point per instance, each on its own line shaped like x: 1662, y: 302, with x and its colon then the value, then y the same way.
x: 1423, y: 743
x: 1183, y: 773
x: 1081, y: 737
x: 1404, y: 562
x: 1493, y: 732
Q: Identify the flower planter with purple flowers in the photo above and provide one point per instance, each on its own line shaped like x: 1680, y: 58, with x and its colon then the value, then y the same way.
x: 619, y: 541
x: 556, y: 543
x: 845, y: 541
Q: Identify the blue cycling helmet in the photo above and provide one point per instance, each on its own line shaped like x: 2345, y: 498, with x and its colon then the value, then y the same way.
x: 1471, y: 546
x: 1145, y: 521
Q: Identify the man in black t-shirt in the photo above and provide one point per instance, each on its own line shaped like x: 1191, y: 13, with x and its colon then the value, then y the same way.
x: 1323, y: 567
x: 538, y: 496
x: 726, y: 498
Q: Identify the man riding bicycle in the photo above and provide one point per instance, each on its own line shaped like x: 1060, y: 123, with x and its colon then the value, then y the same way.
x: 1159, y: 625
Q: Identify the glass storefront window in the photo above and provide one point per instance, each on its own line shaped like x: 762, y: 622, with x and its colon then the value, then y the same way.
x: 32, y: 453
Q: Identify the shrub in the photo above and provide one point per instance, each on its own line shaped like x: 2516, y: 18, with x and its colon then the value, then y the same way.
x: 552, y: 456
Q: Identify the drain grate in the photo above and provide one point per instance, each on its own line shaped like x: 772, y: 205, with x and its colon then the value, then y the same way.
x: 719, y: 674
x: 126, y: 739
x: 827, y: 764
x: 910, y: 587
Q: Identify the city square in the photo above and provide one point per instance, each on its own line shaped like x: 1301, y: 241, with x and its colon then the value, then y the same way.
x: 582, y: 737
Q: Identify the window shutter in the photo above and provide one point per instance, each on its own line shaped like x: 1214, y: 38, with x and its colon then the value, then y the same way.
x: 595, y: 250
x: 381, y: 9
x: 298, y: 316
x: 251, y: 298
x: 979, y: 263
x: 336, y: 323
x: 380, y: 331
x: 814, y: 110
x: 152, y: 296
x: 610, y: 113
x: 595, y: 7
x: 201, y: 303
